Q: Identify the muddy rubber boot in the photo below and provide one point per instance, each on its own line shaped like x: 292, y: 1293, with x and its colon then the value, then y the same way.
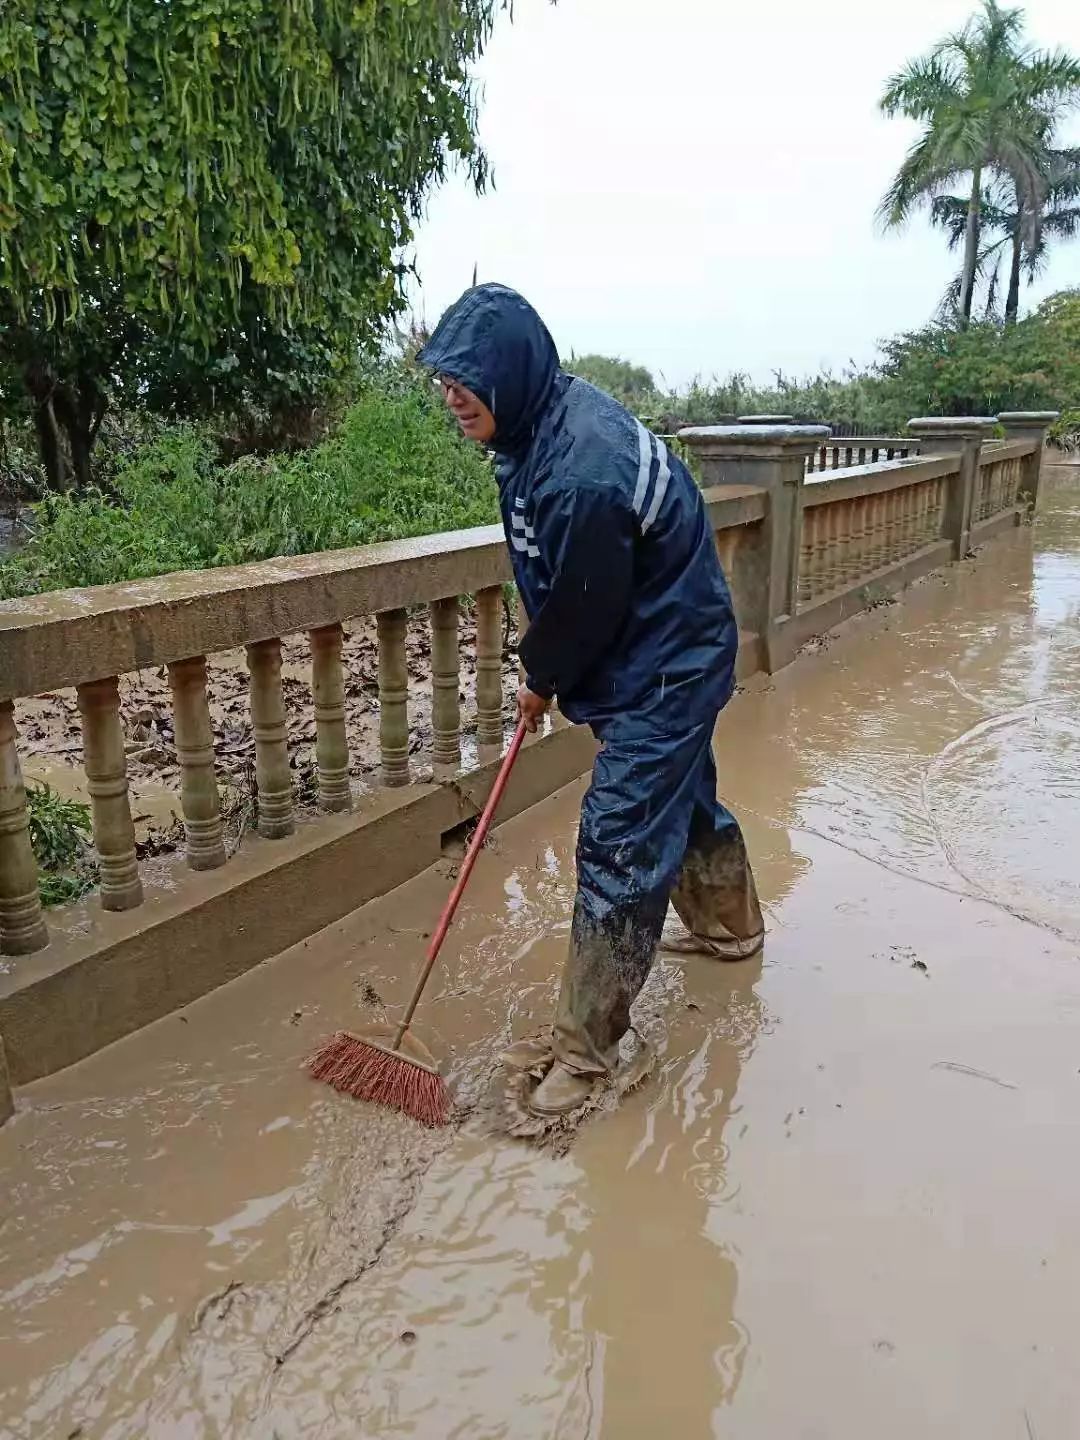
x: 534, y: 1056
x: 678, y: 940
x: 561, y: 1091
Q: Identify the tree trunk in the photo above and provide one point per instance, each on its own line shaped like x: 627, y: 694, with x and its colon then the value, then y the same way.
x: 1012, y: 304
x: 67, y: 419
x: 50, y: 448
x: 48, y: 425
x: 971, y: 248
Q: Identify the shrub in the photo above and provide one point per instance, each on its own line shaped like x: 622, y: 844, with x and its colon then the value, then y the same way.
x: 60, y: 837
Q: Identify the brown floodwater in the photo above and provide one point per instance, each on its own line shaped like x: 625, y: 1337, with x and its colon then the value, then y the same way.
x: 844, y: 1204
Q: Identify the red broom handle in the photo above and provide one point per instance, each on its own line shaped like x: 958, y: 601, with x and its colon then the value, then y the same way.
x: 475, y: 846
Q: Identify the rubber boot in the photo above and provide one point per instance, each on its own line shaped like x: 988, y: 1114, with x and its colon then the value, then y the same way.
x: 534, y: 1056
x: 678, y: 940
x: 716, y: 899
x: 561, y: 1091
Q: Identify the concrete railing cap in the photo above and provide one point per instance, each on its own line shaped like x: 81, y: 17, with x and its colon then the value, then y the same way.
x: 1028, y: 417
x: 750, y: 436
x: 952, y: 424
x: 766, y: 419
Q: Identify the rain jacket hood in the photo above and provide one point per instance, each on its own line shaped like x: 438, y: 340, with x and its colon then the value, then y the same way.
x: 493, y: 342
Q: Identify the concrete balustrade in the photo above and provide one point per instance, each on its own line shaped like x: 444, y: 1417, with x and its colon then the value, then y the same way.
x: 199, y: 798
x: 843, y: 452
x: 772, y: 458
x: 801, y: 550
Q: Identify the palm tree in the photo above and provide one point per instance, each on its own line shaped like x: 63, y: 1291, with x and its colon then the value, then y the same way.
x: 987, y: 106
x: 1011, y: 223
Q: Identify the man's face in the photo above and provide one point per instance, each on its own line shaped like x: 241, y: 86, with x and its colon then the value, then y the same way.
x: 475, y: 419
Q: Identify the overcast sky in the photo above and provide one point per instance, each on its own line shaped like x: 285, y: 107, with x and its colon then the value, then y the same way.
x: 692, y: 185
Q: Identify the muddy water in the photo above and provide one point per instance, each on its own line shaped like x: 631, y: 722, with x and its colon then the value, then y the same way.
x: 845, y: 1204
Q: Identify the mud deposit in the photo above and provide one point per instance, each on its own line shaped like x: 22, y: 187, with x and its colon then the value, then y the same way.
x: 844, y: 1204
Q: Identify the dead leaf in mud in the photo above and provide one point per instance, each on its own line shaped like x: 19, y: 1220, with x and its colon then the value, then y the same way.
x: 368, y: 994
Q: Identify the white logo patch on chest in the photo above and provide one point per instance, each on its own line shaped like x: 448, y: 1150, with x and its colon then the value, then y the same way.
x: 523, y: 536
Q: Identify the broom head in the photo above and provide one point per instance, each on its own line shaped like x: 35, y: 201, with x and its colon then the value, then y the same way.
x: 365, y: 1067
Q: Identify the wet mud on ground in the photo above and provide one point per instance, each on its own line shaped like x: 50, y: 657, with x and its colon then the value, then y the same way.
x: 844, y: 1205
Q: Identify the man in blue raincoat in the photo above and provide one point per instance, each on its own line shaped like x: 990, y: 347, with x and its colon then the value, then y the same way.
x: 631, y: 627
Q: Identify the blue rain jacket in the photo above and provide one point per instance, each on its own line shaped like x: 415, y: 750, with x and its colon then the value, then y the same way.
x: 629, y: 612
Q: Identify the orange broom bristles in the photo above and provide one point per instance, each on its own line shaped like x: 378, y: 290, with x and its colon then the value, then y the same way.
x: 383, y: 1077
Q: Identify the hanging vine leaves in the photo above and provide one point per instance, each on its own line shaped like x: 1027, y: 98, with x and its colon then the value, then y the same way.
x: 226, y: 182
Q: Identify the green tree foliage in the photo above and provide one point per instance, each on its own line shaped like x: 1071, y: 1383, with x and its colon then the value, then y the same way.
x: 205, y: 203
x: 1032, y: 365
x: 987, y: 106
x: 395, y: 467
x: 632, y: 385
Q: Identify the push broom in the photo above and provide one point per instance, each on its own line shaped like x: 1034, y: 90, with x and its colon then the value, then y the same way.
x: 392, y: 1067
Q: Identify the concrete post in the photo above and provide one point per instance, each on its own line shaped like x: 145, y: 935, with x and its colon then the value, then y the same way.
x: 772, y: 457
x: 963, y: 435
x: 199, y: 797
x: 393, y: 697
x: 331, y: 741
x: 110, y: 805
x: 489, y: 666
x: 272, y: 773
x: 22, y: 928
x: 1029, y: 425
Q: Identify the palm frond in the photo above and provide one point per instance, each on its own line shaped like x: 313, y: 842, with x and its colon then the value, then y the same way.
x: 923, y: 175
x: 921, y: 88
x: 1048, y: 81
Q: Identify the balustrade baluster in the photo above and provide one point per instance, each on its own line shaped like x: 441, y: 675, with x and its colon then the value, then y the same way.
x: 489, y: 666
x: 911, y: 521
x: 896, y: 526
x: 272, y: 774
x: 331, y: 740
x: 22, y: 925
x: 199, y: 798
x: 105, y: 764
x: 853, y: 560
x: 445, y: 683
x: 808, y: 553
x: 393, y: 697
x: 881, y: 529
